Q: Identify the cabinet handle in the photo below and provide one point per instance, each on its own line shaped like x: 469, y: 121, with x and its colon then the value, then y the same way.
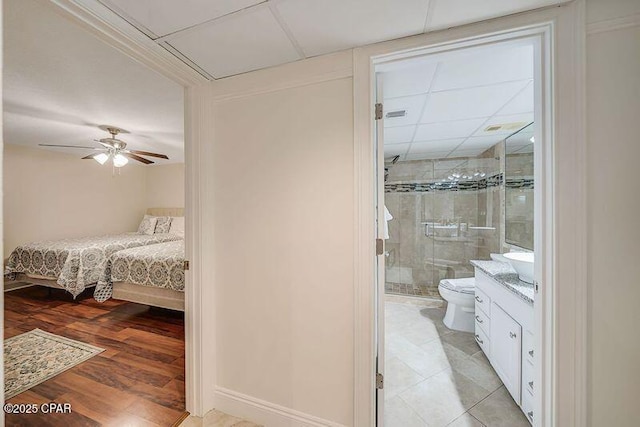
x: 479, y: 319
x: 531, y: 385
x: 478, y: 299
x: 512, y: 335
x: 478, y: 339
x: 531, y: 353
x: 530, y: 415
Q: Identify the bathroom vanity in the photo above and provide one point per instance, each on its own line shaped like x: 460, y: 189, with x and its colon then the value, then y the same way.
x: 504, y: 328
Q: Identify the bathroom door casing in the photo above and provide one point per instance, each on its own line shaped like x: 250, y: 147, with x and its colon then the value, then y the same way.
x: 380, y: 249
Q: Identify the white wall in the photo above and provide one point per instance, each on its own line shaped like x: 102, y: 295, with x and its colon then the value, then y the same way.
x: 165, y: 186
x: 49, y: 195
x: 282, y: 284
x: 283, y: 209
x: 613, y: 91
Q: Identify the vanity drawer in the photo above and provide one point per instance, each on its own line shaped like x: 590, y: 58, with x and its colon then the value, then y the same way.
x: 483, y: 302
x: 483, y: 321
x: 528, y: 375
x: 528, y: 345
x: 482, y: 339
x: 527, y: 406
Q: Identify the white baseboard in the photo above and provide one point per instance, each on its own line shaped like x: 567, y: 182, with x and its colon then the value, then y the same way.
x: 263, y: 412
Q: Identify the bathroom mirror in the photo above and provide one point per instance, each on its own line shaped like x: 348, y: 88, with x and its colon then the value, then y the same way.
x: 518, y: 188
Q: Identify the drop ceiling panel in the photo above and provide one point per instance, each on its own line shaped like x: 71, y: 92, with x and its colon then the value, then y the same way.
x: 469, y: 103
x: 410, y: 81
x: 396, y: 149
x: 238, y: 43
x: 449, y: 13
x: 425, y: 147
x: 448, y: 130
x: 412, y: 105
x: 167, y: 16
x: 483, y: 142
x: 330, y: 25
x: 397, y: 135
x: 486, y: 67
x: 522, y: 103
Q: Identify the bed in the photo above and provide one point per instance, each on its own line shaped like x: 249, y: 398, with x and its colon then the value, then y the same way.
x: 152, y: 275
x: 76, y: 264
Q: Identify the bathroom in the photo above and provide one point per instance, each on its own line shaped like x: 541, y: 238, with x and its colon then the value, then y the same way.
x: 459, y: 193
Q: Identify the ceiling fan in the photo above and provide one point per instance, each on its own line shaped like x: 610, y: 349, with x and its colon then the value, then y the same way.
x: 114, y: 149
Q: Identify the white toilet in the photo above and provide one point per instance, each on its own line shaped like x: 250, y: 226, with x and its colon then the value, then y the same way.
x: 459, y: 294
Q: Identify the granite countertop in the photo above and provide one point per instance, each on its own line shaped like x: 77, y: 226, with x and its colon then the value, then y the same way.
x: 504, y: 274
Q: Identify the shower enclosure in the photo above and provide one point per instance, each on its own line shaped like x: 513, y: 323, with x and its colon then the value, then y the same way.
x: 446, y: 212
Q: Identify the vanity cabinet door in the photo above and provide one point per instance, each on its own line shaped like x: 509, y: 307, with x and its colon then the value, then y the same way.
x: 506, y: 350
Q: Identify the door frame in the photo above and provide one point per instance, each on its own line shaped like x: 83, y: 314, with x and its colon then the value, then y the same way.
x: 560, y: 311
x: 115, y: 31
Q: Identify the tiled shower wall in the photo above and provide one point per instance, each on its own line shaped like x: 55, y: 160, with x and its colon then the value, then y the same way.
x: 439, y: 226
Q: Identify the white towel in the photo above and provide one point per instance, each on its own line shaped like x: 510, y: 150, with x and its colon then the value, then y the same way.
x: 387, y: 217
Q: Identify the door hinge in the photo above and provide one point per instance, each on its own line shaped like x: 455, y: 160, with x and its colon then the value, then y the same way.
x: 535, y: 286
x: 379, y: 246
x: 378, y: 111
x: 379, y: 381
x: 186, y: 265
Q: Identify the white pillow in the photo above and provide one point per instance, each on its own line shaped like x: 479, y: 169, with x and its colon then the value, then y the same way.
x: 148, y: 225
x: 177, y: 225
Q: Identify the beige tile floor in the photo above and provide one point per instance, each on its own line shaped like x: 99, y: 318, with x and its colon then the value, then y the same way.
x: 435, y: 377
x: 217, y: 419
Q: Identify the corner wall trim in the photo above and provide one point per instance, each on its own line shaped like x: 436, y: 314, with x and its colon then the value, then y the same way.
x: 267, y: 413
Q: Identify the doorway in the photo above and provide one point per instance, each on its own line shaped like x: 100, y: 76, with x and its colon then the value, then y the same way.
x: 450, y: 122
x: 94, y: 305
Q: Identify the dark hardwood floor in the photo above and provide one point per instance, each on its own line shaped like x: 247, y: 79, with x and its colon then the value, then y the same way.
x: 137, y: 381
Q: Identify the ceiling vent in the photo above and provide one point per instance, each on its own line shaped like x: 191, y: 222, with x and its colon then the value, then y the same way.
x: 505, y: 127
x: 396, y: 114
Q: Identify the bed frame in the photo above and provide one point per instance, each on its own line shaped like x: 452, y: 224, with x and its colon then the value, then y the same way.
x: 148, y: 295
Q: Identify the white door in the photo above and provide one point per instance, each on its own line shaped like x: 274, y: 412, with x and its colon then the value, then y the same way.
x: 380, y: 258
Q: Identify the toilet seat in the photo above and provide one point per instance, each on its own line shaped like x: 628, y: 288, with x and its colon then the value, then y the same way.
x: 466, y: 285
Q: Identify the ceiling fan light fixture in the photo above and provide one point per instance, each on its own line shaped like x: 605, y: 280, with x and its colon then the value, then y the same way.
x: 119, y: 160
x: 101, y: 158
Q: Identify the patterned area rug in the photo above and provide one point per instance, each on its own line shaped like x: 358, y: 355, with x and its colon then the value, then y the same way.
x: 36, y: 356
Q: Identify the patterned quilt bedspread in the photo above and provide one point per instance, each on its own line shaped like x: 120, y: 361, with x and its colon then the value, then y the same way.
x: 160, y: 265
x: 76, y: 263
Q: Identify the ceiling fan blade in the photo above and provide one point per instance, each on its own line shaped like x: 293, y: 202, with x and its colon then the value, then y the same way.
x: 69, y: 146
x: 104, y: 144
x: 138, y: 158
x: 146, y: 153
